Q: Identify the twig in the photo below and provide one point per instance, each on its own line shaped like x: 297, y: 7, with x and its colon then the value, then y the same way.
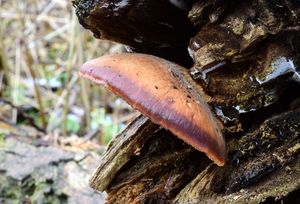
x: 68, y: 72
x: 30, y: 64
x: 23, y: 114
x: 83, y: 83
x: 3, y: 58
x: 91, y: 134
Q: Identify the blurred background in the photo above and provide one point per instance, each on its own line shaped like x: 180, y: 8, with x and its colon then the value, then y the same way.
x: 42, y: 48
x: 43, y: 102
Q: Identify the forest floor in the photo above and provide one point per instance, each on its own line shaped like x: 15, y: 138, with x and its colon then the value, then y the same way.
x: 35, y: 170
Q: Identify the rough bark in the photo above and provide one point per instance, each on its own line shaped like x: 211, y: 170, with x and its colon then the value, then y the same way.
x: 264, y: 163
x: 158, y: 28
x: 246, y: 58
x: 121, y: 150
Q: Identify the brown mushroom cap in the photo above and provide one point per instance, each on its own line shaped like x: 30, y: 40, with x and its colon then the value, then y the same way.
x: 161, y: 90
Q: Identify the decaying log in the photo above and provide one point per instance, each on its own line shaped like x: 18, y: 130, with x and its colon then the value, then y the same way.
x: 154, y: 27
x: 272, y: 169
x: 260, y: 160
x: 121, y: 149
x: 246, y: 59
x: 249, y: 23
x: 139, y: 153
x: 165, y: 165
x: 275, y: 186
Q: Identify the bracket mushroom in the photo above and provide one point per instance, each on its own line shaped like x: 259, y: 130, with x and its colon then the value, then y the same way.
x: 164, y: 92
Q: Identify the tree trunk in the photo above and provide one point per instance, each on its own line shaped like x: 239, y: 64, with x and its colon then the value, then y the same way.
x: 246, y: 58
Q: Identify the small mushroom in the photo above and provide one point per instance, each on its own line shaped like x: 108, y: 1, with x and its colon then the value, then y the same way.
x: 164, y: 92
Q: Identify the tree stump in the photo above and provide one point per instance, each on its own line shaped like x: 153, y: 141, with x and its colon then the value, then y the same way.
x: 246, y: 58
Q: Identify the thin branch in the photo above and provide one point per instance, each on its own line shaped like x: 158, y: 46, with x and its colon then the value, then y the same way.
x: 36, y: 89
x: 68, y: 72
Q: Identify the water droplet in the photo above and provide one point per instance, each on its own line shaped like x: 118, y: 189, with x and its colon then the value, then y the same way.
x: 171, y: 99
